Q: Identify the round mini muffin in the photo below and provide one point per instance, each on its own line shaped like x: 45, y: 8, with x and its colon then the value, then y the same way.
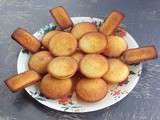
x: 93, y: 42
x: 78, y: 55
x: 94, y: 65
x: 91, y: 90
x: 48, y: 36
x: 39, y: 61
x: 54, y: 88
x: 81, y: 28
x: 62, y: 44
x: 62, y: 67
x: 115, y: 47
x: 118, y: 71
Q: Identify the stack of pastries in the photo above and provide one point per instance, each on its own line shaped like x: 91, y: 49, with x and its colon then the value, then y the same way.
x: 85, y: 59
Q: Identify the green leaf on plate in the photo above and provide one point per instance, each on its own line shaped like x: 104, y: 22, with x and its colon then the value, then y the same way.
x: 75, y: 107
x: 25, y: 51
x: 66, y: 109
x: 33, y: 93
x: 40, y: 98
x: 49, y: 27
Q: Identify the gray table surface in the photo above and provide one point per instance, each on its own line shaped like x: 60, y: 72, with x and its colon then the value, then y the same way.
x: 142, y: 21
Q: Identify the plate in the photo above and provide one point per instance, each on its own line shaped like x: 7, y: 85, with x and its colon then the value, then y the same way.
x: 71, y: 103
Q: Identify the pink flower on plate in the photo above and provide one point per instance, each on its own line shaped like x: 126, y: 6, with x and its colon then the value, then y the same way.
x: 64, y: 100
x: 123, y: 83
x: 120, y: 32
x: 116, y: 93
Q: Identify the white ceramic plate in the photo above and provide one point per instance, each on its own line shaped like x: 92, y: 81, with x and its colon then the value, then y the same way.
x: 72, y: 104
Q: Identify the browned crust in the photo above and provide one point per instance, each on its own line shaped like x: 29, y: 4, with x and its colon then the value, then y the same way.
x: 121, y: 14
x: 57, y: 19
x: 140, y: 58
x: 20, y: 88
x: 118, y: 11
x: 26, y: 40
x: 12, y: 87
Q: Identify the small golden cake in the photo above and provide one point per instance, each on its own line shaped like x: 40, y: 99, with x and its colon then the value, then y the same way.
x: 54, y: 88
x: 115, y: 47
x: 63, y: 44
x: 94, y: 65
x: 118, y: 71
x: 62, y: 67
x: 91, y: 90
x: 39, y: 61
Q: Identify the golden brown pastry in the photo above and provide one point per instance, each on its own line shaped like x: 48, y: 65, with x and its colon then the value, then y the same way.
x: 48, y: 36
x: 94, y: 65
x: 111, y: 22
x: 81, y: 28
x: 118, y: 71
x: 26, y: 40
x: 62, y: 67
x: 39, y: 61
x: 61, y: 17
x: 78, y: 55
x: 91, y: 90
x: 115, y: 47
x: 54, y: 88
x: 93, y: 42
x: 22, y: 80
x: 62, y: 44
x: 137, y: 55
